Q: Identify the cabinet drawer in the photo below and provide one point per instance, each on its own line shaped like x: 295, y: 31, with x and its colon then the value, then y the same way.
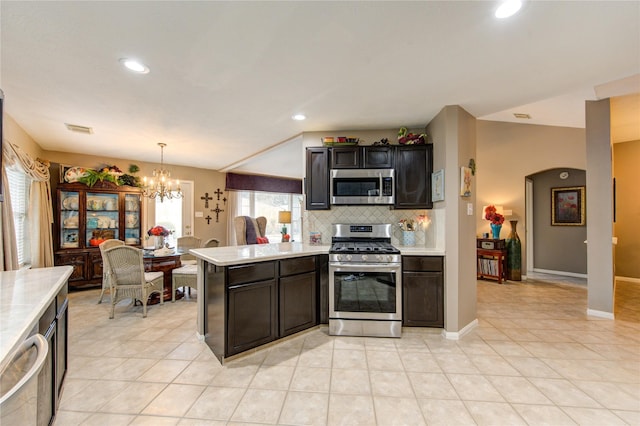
x: 422, y: 263
x: 297, y: 265
x: 250, y: 273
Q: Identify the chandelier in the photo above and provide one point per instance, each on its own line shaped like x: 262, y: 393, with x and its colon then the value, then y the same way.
x: 160, y: 185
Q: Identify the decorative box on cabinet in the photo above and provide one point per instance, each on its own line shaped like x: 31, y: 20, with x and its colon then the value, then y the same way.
x: 84, y: 217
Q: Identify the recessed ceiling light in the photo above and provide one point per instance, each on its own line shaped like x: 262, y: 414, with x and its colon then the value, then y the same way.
x: 299, y: 117
x: 521, y: 115
x: 508, y: 8
x: 135, y: 66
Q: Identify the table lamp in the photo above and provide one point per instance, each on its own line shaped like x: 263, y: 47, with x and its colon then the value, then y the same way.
x: 284, y: 217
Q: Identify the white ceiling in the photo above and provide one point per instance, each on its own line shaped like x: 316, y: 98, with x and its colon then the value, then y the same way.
x: 227, y: 76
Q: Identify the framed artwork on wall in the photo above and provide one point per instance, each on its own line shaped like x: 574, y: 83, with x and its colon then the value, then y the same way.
x: 437, y: 185
x: 465, y: 182
x: 568, y: 206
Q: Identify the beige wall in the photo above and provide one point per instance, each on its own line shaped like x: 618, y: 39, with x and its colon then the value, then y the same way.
x: 507, y: 152
x: 626, y: 157
x: 14, y: 133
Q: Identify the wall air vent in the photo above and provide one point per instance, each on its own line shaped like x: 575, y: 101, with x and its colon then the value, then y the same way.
x: 520, y: 115
x: 79, y: 129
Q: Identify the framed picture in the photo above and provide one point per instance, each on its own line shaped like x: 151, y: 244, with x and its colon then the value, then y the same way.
x: 568, y: 206
x: 465, y: 182
x: 63, y: 170
x: 437, y: 185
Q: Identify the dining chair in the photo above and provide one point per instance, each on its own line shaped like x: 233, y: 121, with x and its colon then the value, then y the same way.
x: 107, y: 244
x: 129, y: 280
x: 211, y: 242
x: 184, y: 244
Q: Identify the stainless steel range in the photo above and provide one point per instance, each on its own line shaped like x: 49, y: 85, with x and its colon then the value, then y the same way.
x: 365, y: 282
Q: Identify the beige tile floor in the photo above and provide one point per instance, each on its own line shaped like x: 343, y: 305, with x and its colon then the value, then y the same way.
x: 535, y: 358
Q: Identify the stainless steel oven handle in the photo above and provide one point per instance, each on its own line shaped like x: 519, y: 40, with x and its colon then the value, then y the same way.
x: 364, y: 267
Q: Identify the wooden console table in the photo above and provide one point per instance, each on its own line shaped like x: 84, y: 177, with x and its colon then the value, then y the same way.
x: 492, y: 264
x: 165, y: 264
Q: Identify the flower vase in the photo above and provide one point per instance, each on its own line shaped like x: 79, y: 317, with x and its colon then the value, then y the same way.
x: 514, y: 254
x: 408, y: 238
x: 495, y: 231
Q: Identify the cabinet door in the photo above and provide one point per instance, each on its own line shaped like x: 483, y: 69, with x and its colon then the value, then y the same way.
x: 132, y: 219
x: 252, y: 316
x: 62, y: 324
x: 69, y: 220
x: 317, y: 179
x: 102, y: 218
x: 378, y: 157
x: 46, y: 404
x: 413, y: 169
x: 77, y: 261
x: 345, y: 157
x: 423, y: 302
x: 297, y: 303
x: 94, y: 266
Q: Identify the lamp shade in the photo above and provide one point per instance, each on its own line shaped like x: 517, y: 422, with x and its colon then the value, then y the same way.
x: 284, y: 216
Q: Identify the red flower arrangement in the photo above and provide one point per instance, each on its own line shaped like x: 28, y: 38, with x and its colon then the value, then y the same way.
x: 158, y: 231
x: 492, y: 215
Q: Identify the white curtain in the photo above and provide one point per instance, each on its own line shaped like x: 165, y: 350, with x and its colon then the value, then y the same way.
x: 231, y: 214
x: 41, y: 217
x: 9, y: 256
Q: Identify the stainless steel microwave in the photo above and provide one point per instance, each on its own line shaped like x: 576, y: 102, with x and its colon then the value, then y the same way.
x: 362, y: 186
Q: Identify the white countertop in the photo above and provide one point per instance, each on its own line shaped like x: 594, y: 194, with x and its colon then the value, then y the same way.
x: 24, y: 297
x: 237, y: 255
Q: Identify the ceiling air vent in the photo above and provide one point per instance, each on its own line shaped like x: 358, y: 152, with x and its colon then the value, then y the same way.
x: 520, y: 115
x: 79, y: 129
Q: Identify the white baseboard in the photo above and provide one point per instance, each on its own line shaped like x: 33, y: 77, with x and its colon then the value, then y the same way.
x: 563, y: 273
x: 629, y: 279
x: 456, y: 335
x: 600, y: 314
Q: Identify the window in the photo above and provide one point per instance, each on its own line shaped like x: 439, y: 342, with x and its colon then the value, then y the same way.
x: 19, y: 184
x: 268, y: 204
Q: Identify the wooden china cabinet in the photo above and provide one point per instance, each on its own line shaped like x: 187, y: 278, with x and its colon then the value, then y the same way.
x: 86, y: 216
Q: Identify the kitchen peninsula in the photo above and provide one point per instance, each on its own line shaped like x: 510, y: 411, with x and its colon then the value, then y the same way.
x: 255, y: 294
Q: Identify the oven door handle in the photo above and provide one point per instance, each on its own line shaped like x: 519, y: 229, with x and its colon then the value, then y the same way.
x: 363, y: 267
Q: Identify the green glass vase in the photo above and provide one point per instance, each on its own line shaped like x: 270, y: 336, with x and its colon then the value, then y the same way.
x: 514, y: 254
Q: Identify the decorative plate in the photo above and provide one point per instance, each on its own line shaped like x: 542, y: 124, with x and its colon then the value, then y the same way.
x: 74, y: 173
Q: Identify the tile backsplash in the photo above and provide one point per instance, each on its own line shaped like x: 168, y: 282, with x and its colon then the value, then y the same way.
x: 432, y: 235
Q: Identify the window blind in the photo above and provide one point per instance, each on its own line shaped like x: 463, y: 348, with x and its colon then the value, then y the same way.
x: 19, y: 185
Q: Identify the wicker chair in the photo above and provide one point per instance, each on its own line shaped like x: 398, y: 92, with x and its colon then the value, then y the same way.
x: 211, y: 242
x: 184, y: 244
x: 184, y: 276
x: 259, y: 225
x: 129, y: 280
x: 106, y: 274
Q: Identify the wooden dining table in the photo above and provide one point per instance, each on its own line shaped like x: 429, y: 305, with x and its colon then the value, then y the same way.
x: 164, y: 264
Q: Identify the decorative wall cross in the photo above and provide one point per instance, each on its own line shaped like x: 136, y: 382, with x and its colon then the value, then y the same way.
x: 217, y: 210
x: 208, y: 219
x: 206, y: 199
x: 218, y: 193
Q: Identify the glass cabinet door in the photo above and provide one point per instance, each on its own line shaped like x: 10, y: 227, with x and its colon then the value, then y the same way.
x: 69, y: 219
x: 102, y: 219
x: 132, y: 219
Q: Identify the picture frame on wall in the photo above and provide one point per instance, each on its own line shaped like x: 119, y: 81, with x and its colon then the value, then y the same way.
x: 437, y: 185
x: 465, y: 182
x: 568, y: 206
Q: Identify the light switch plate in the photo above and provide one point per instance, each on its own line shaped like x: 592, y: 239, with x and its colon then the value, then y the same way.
x: 199, y: 214
x: 469, y: 209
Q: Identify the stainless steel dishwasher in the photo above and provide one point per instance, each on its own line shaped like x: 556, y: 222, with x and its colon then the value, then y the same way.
x: 19, y: 382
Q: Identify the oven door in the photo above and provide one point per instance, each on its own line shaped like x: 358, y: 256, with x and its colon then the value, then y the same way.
x: 365, y: 291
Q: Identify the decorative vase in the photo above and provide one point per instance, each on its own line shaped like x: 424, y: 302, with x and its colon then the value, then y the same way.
x: 158, y: 241
x: 495, y: 231
x: 408, y: 238
x: 514, y: 254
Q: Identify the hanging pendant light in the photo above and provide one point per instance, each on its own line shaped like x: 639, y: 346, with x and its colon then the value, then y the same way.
x: 160, y: 185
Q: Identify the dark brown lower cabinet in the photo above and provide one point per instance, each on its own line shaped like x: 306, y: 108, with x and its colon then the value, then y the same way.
x: 252, y: 315
x: 297, y: 303
x: 423, y: 291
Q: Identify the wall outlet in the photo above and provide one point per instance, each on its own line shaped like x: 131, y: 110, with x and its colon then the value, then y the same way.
x: 199, y: 214
x: 469, y: 209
